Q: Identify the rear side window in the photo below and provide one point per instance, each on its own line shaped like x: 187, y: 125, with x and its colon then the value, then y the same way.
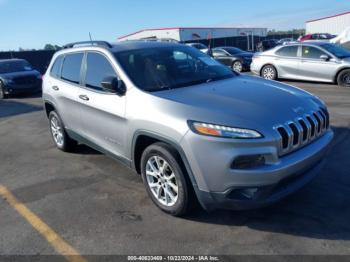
x: 312, y: 52
x: 71, y: 67
x: 56, y: 68
x: 289, y: 51
x: 98, y: 68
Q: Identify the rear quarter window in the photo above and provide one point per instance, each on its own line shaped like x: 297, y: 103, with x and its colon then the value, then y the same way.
x: 71, y: 67
x: 56, y: 68
x: 288, y: 51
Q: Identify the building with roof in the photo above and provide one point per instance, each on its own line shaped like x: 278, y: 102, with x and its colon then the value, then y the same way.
x: 206, y: 35
x: 334, y: 24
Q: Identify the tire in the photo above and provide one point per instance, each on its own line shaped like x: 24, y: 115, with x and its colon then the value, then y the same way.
x: 162, y: 176
x: 2, y: 92
x: 343, y: 78
x: 237, y: 66
x: 269, y: 72
x: 59, y: 134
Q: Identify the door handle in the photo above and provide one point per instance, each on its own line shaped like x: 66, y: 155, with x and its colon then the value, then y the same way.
x: 84, y: 97
x: 56, y: 88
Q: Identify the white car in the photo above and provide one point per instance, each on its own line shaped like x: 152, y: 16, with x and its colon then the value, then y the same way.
x: 203, y: 48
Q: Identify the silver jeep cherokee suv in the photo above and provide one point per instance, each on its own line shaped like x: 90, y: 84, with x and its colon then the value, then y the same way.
x: 190, y: 126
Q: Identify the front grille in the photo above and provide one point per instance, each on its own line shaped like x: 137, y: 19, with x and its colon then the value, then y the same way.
x: 295, y: 134
x: 25, y: 80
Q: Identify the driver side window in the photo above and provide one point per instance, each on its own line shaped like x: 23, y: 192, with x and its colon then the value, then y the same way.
x: 98, y: 68
x: 312, y: 52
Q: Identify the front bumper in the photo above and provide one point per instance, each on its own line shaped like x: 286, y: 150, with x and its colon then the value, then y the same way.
x: 220, y: 186
x: 266, y: 195
x: 13, y: 89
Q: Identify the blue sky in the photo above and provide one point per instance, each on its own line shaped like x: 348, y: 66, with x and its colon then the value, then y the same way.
x: 32, y: 24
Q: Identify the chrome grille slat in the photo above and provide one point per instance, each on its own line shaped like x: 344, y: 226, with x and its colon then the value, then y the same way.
x: 301, y: 131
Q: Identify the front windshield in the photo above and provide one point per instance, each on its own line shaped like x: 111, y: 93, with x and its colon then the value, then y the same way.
x: 336, y: 50
x: 233, y: 50
x: 161, y: 68
x: 14, y: 66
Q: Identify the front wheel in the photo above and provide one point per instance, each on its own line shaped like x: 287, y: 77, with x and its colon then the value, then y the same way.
x: 269, y: 72
x: 344, y: 78
x: 59, y: 134
x: 237, y: 66
x: 164, y: 179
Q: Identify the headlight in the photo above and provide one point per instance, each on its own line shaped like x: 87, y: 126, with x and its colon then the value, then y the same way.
x: 8, y: 80
x: 222, y: 131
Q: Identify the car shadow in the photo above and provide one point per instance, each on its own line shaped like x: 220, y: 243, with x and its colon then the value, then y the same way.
x: 320, y: 210
x: 82, y: 149
x: 12, y: 108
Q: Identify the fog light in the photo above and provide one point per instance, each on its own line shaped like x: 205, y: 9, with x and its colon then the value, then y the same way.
x: 249, y: 192
x: 243, y: 193
x: 246, y: 162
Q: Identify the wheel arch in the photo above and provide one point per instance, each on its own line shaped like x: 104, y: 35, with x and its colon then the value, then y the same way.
x: 142, y: 137
x: 49, y: 107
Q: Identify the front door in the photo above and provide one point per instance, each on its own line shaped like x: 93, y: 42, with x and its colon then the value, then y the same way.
x: 102, y: 112
x: 313, y: 67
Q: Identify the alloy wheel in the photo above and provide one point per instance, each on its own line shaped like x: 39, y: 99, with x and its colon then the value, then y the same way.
x: 162, y: 181
x: 57, y: 131
x: 269, y: 73
x: 237, y: 66
x: 346, y: 79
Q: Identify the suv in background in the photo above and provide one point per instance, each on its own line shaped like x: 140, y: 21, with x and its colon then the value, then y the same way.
x: 17, y: 76
x: 266, y: 45
x: 189, y: 125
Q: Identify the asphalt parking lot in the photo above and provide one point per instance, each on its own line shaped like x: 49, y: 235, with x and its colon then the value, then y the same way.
x: 100, y: 207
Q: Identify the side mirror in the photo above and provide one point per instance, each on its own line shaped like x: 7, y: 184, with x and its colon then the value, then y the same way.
x: 114, y: 85
x: 324, y: 57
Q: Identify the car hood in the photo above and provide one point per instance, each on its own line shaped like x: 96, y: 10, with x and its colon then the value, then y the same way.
x: 241, y: 101
x: 19, y: 74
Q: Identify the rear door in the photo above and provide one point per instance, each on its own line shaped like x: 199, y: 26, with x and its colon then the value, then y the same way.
x: 102, y: 112
x: 287, y: 61
x: 64, y: 87
x: 312, y: 67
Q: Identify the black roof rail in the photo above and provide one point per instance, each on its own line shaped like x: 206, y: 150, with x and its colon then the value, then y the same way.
x: 88, y: 43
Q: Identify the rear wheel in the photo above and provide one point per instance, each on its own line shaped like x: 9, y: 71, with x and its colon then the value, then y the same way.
x: 164, y: 179
x: 237, y: 66
x: 269, y: 72
x: 59, y: 135
x: 2, y: 91
x: 344, y: 78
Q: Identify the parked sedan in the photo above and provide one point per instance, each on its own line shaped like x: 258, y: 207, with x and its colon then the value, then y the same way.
x: 233, y: 57
x: 311, y: 61
x: 18, y: 76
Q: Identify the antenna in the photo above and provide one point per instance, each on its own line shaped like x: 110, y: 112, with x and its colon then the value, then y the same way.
x: 90, y: 36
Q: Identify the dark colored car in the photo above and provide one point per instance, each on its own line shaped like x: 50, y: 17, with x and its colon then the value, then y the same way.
x: 233, y: 57
x: 266, y: 45
x: 17, y: 76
